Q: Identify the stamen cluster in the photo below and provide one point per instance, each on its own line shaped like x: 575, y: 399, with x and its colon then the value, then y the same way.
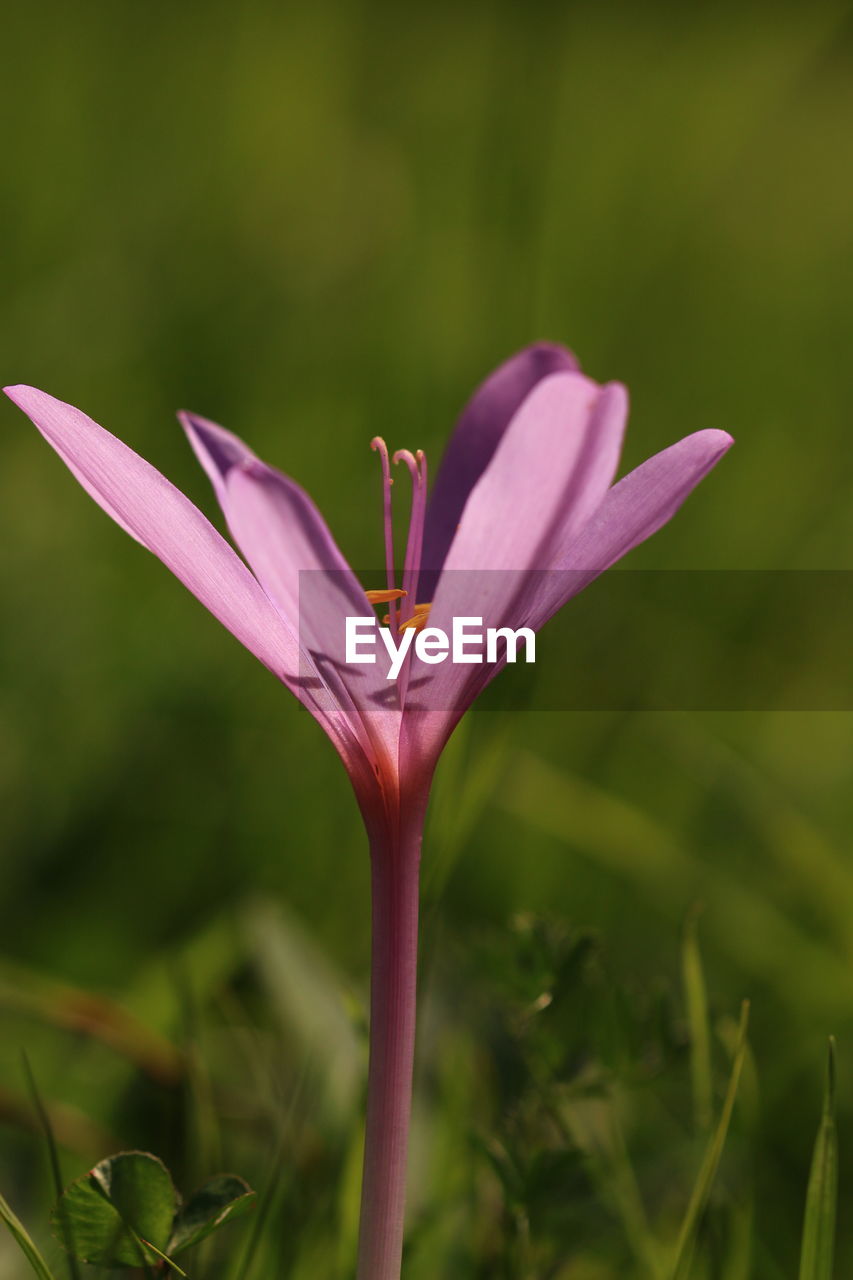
x: 412, y: 614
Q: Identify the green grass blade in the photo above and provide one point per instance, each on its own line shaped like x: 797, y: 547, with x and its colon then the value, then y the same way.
x: 24, y: 1242
x: 246, y: 1260
x: 819, y: 1225
x: 47, y: 1128
x: 52, y: 1150
x: 164, y: 1258
x: 738, y: 1263
x: 203, y: 1140
x: 711, y: 1159
x: 742, y: 1240
x: 593, y: 1127
x: 696, y: 1001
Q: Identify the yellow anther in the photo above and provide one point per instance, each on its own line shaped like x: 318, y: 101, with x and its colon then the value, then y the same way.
x: 418, y: 619
x: 385, y: 597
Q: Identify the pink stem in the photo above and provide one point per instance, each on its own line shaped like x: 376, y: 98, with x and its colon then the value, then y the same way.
x: 392, y: 1043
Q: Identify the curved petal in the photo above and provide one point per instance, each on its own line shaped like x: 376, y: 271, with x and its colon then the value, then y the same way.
x: 148, y: 507
x: 477, y: 435
x: 284, y: 534
x: 217, y: 450
x: 635, y: 508
x: 549, y: 475
x: 297, y: 561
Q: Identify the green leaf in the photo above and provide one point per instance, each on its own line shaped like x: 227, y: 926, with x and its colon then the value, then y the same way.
x: 711, y: 1159
x: 217, y: 1202
x: 124, y: 1204
x: 24, y: 1242
x: 819, y: 1225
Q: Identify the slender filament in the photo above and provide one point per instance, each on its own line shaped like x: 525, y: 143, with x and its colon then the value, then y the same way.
x: 379, y: 444
x: 414, y: 543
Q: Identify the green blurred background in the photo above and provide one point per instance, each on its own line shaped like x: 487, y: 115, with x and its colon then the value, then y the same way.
x: 313, y: 224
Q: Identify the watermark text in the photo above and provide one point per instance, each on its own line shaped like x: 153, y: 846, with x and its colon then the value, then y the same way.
x: 468, y: 642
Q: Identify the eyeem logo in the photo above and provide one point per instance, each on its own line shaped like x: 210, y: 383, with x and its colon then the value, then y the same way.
x: 432, y: 645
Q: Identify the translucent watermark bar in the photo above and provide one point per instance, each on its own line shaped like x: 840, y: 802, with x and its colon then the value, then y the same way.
x: 703, y: 640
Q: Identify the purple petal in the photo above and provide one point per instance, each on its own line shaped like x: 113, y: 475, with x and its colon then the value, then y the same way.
x: 216, y: 449
x: 278, y: 528
x: 148, y: 507
x: 475, y: 439
x: 635, y: 508
x: 160, y: 517
x: 549, y: 474
x: 292, y: 552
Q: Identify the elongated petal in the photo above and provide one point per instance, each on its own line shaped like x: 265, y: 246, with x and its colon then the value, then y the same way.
x: 296, y: 559
x: 148, y: 507
x: 550, y: 472
x: 548, y: 476
x: 217, y: 450
x: 475, y: 439
x: 285, y: 533
x: 635, y: 508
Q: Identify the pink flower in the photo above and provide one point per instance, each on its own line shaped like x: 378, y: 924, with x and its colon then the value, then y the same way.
x: 525, y: 486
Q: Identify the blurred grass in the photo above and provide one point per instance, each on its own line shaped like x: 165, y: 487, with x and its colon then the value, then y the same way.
x: 313, y: 224
x: 818, y: 1249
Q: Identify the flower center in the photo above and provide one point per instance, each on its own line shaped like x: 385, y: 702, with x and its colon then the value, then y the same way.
x: 410, y: 614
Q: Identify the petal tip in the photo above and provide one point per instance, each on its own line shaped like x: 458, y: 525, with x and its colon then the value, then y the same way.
x: 709, y: 443
x: 190, y: 421
x: 618, y: 392
x: 547, y: 347
x: 721, y: 439
x: 30, y: 398
x: 549, y: 356
x: 16, y: 391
